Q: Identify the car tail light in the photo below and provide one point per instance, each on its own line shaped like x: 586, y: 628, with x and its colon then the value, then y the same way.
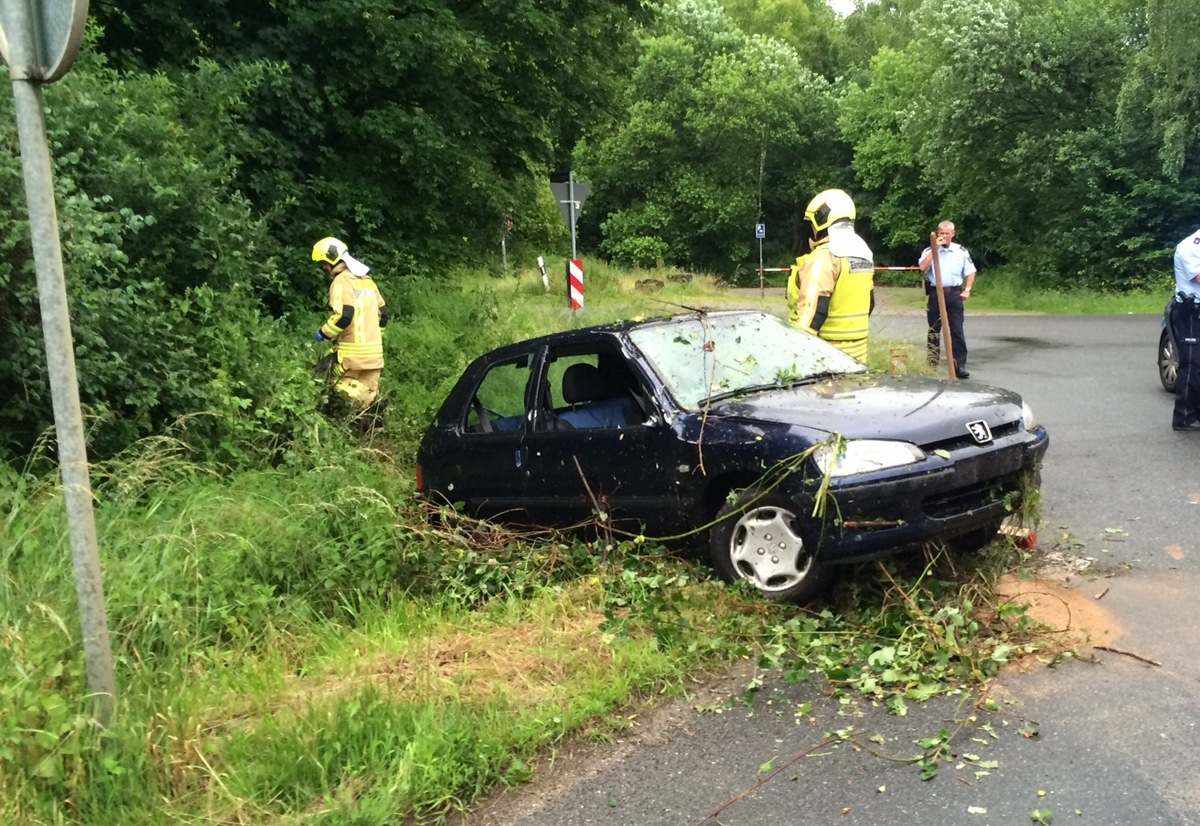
x: 420, y: 478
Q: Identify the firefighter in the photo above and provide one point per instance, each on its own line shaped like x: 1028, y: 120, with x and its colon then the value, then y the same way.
x: 830, y: 290
x: 358, y: 316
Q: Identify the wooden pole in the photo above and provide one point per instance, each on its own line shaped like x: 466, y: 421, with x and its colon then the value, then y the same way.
x: 941, y: 298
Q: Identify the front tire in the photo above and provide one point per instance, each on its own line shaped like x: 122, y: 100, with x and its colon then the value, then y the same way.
x: 760, y: 539
x: 1168, y: 362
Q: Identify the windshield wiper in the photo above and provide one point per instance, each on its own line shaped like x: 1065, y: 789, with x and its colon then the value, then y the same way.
x: 777, y: 385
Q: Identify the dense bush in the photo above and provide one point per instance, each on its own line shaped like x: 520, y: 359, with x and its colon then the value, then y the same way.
x: 166, y: 266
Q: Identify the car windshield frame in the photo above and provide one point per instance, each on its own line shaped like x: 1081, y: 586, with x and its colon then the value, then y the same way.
x: 713, y: 356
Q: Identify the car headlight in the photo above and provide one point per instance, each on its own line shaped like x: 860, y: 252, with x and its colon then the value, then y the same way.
x: 1027, y: 416
x: 866, y: 455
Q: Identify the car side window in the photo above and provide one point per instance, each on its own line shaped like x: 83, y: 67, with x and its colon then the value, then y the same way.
x: 594, y: 390
x: 499, y: 402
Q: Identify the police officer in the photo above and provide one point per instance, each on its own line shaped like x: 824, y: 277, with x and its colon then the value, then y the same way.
x: 357, y: 317
x: 1185, y: 322
x: 958, y: 276
x: 829, y: 290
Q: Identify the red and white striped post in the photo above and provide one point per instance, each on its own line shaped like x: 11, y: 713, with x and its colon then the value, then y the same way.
x: 575, y: 283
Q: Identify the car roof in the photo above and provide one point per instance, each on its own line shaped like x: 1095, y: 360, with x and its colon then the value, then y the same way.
x: 569, y: 337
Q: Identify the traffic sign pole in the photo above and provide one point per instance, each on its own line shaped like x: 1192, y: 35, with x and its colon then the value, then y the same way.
x: 760, y: 232
x: 571, y: 202
x: 32, y: 62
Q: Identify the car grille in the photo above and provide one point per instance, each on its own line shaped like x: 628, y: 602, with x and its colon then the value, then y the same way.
x: 967, y: 499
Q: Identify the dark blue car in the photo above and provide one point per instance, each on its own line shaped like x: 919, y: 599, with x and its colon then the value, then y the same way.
x: 782, y: 453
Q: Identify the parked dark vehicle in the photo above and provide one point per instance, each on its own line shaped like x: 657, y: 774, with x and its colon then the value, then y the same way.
x: 1168, y: 354
x: 785, y: 454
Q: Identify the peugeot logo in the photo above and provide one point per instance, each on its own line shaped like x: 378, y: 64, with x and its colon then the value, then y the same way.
x: 980, y: 431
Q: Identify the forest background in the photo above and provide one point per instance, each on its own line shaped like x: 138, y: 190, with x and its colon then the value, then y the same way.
x: 287, y: 624
x: 200, y: 151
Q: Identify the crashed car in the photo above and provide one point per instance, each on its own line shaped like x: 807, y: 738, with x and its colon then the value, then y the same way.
x: 785, y: 455
x: 1168, y: 353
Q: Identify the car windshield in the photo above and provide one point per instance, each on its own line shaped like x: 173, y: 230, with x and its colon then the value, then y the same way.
x: 718, y: 355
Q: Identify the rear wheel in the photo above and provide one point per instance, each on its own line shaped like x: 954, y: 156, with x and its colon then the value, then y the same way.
x: 760, y: 539
x: 1168, y: 362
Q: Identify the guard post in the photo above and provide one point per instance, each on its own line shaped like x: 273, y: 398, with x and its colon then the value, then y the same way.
x: 570, y: 195
x: 575, y: 284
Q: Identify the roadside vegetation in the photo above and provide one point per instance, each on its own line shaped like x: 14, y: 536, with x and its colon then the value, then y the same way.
x: 297, y: 639
x: 304, y: 642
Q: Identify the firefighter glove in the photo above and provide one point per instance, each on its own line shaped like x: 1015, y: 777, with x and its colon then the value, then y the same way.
x: 319, y: 336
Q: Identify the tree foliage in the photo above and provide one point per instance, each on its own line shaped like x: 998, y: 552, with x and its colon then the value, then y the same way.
x: 724, y: 131
x: 413, y: 125
x: 1005, y: 120
x: 163, y: 260
x: 200, y: 148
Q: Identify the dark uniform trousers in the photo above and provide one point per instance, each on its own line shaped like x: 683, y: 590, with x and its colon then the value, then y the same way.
x: 954, y: 316
x: 1185, y: 321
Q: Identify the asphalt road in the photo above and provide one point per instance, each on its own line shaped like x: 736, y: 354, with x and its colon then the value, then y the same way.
x: 1116, y: 738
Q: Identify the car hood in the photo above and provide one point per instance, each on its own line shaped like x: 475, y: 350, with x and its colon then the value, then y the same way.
x: 878, y: 406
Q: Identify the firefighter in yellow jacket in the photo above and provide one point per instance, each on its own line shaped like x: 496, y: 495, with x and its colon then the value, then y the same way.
x: 357, y: 318
x: 829, y: 290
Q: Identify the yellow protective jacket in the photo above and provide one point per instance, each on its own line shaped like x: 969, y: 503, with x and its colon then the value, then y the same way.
x: 829, y: 291
x: 358, y: 316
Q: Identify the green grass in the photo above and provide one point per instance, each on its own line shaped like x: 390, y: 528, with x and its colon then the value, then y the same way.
x: 302, y: 644
x: 1007, y: 292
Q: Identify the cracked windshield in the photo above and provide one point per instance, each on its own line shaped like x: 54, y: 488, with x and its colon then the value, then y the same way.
x: 721, y: 354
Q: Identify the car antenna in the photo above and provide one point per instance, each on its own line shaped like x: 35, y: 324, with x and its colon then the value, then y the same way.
x: 698, y: 310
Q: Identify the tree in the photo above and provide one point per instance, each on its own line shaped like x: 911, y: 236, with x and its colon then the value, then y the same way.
x: 1159, y: 112
x: 885, y: 124
x: 412, y: 125
x: 1169, y: 66
x: 164, y: 262
x: 808, y: 26
x: 723, y: 131
x: 1007, y: 116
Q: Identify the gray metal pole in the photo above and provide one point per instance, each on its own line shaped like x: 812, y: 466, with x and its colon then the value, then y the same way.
x: 60, y: 362
x: 762, y: 284
x: 571, y: 208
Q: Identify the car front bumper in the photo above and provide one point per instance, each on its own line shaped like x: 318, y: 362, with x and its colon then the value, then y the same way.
x: 940, y: 499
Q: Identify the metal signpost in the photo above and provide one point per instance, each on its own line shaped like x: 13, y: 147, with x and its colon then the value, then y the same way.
x: 570, y: 196
x: 760, y: 232
x: 508, y: 225
x: 39, y: 41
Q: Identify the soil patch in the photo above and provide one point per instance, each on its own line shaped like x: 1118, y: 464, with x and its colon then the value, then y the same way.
x: 1071, y: 618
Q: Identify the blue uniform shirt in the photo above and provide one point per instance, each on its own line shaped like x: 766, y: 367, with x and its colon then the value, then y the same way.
x: 1187, y: 266
x: 954, y: 262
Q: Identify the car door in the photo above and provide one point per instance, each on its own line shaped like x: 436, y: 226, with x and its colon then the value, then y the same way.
x: 486, y: 465
x: 625, y: 472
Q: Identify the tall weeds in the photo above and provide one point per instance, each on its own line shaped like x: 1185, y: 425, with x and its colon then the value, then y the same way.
x: 299, y: 642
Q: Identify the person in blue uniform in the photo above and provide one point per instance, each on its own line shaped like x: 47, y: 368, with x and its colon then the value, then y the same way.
x: 1185, y: 321
x: 958, y: 276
